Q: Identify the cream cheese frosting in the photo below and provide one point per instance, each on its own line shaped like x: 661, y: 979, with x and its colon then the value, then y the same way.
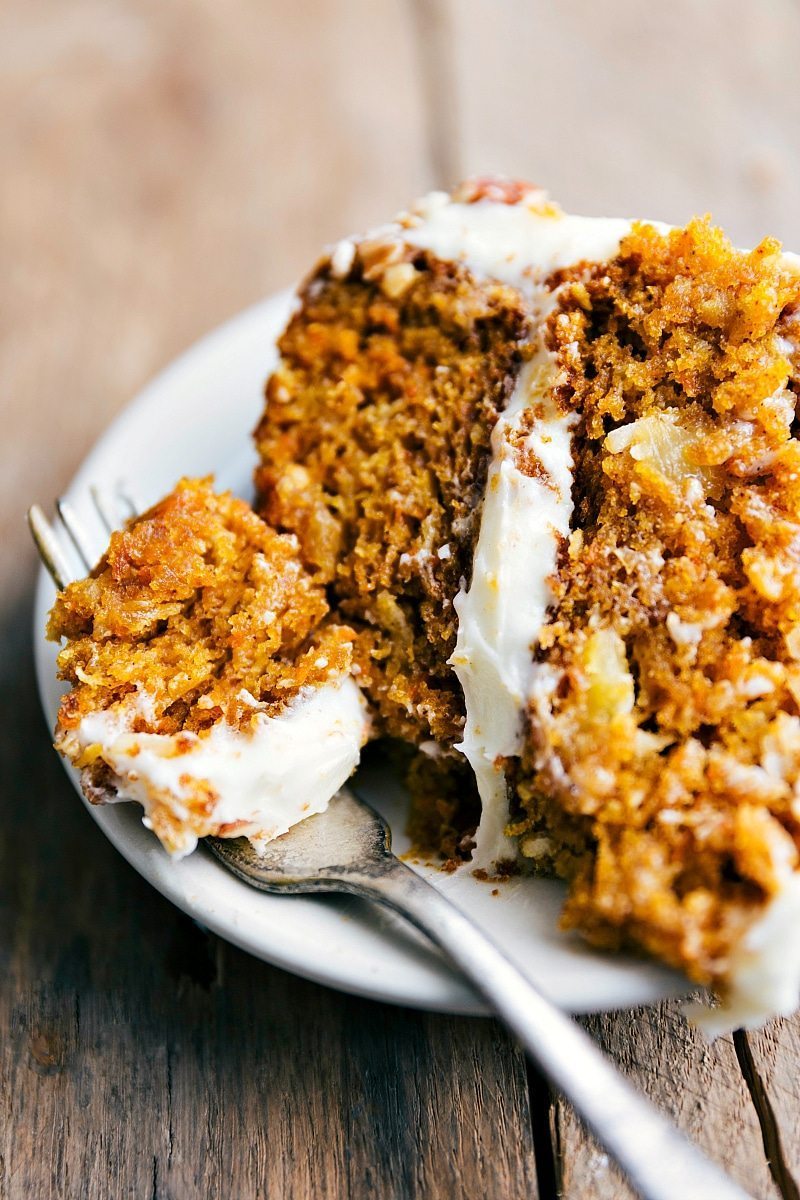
x: 518, y: 244
x: 502, y: 609
x: 282, y: 769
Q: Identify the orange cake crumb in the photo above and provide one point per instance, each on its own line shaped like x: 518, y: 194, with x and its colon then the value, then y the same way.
x: 374, y: 446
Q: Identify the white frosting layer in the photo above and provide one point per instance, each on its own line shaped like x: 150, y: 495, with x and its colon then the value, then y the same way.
x: 501, y: 614
x: 519, y: 244
x: 285, y: 768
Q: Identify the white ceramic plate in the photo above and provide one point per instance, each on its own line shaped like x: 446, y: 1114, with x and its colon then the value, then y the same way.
x: 194, y: 419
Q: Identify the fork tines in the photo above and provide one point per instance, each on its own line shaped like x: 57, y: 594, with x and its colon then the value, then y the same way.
x: 69, y: 542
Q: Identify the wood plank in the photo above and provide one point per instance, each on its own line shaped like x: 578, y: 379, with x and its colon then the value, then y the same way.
x: 347, y: 1097
x: 629, y: 109
x: 164, y: 167
x: 697, y: 1084
x: 770, y: 1058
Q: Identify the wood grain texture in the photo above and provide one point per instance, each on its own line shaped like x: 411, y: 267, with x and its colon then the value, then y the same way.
x: 770, y: 1058
x: 698, y: 1084
x: 625, y: 109
x: 164, y: 166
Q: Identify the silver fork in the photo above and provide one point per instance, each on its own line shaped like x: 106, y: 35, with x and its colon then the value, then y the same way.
x: 348, y: 849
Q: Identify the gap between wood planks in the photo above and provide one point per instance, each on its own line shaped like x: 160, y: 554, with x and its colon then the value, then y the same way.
x: 544, y: 1133
x: 432, y: 30
x: 770, y: 1131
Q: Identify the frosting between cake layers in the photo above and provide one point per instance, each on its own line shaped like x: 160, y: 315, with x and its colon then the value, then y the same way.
x: 264, y: 779
x: 501, y: 613
x: 502, y: 610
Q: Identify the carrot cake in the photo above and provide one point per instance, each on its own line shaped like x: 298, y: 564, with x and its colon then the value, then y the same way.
x: 529, y: 503
x: 209, y: 682
x: 549, y: 465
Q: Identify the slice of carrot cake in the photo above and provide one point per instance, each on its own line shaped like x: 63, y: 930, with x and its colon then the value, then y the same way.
x: 209, y: 681
x: 548, y: 465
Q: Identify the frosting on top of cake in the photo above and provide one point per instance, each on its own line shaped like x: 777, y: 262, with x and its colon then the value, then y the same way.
x: 519, y: 244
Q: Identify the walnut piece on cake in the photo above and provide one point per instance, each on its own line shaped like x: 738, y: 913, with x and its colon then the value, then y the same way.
x: 209, y: 682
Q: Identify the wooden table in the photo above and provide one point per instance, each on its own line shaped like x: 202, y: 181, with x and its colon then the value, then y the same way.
x: 165, y: 164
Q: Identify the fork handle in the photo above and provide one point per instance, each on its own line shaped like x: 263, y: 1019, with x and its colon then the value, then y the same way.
x: 660, y: 1163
